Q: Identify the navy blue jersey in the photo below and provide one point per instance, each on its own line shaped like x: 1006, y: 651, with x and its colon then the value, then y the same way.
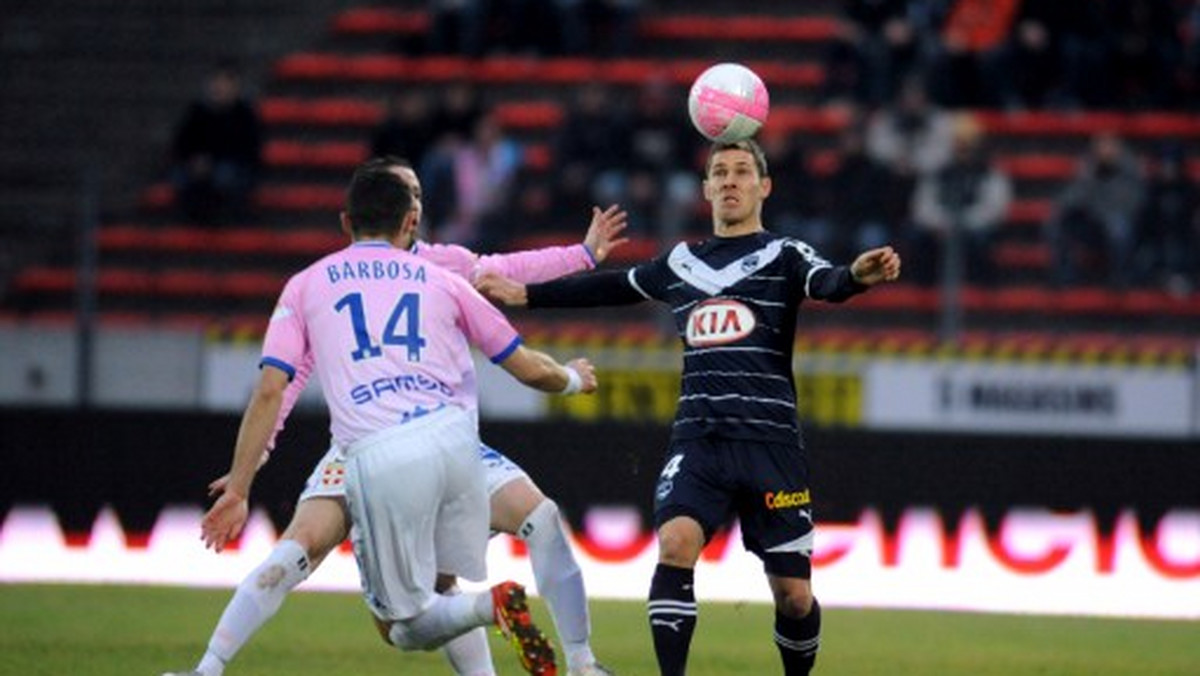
x: 734, y: 302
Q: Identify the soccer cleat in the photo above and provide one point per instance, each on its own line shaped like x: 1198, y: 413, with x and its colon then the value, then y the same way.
x: 182, y: 673
x: 593, y: 669
x: 516, y: 624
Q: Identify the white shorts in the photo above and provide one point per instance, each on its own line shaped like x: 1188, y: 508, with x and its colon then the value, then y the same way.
x: 417, y: 498
x: 328, y: 478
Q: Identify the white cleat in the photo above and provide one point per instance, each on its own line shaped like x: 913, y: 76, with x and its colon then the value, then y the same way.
x: 182, y: 673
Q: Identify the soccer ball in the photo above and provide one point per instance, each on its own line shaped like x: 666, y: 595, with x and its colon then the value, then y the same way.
x: 728, y: 103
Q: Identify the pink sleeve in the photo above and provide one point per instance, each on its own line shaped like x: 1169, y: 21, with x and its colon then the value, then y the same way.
x: 286, y: 342
x: 483, y: 324
x: 538, y: 265
x: 291, y: 395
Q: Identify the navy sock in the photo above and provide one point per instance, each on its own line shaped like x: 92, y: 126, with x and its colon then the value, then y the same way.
x: 672, y: 610
x: 798, y: 641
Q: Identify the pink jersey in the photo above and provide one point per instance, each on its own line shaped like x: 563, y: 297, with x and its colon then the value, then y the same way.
x: 527, y: 267
x: 389, y: 333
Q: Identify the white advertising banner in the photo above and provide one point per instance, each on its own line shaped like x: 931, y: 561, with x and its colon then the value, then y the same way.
x: 1036, y: 561
x: 1029, y: 398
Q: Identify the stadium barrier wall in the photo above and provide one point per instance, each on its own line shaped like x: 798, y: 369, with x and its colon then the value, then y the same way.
x: 1041, y: 391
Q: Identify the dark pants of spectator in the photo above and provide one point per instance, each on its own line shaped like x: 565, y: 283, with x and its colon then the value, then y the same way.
x: 1091, y: 248
x: 221, y: 194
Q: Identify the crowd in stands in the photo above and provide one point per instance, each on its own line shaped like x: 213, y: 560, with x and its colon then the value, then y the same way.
x: 913, y: 167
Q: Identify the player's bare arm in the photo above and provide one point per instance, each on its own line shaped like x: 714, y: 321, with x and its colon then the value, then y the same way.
x: 227, y: 516
x: 500, y: 289
x: 875, y: 266
x: 541, y: 372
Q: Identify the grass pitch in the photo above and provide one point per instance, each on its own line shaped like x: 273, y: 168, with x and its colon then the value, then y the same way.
x: 110, y: 630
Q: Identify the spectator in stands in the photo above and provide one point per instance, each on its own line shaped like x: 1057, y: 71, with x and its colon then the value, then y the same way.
x: 589, y: 149
x: 217, y: 151
x: 1168, y: 239
x: 406, y: 129
x: 1025, y: 71
x: 913, y: 136
x: 845, y: 62
x: 482, y: 173
x: 863, y: 202
x: 1095, y: 214
x: 968, y: 198
x: 973, y: 30
x: 887, y: 44
x: 455, y: 116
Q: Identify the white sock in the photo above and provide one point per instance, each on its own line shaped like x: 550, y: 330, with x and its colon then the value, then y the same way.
x: 559, y: 580
x: 469, y: 654
x: 255, y: 601
x: 448, y: 617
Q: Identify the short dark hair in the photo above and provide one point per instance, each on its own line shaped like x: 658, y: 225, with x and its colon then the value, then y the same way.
x: 376, y: 202
x: 384, y: 162
x: 749, y: 145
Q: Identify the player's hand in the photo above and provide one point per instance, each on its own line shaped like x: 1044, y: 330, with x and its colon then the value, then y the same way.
x: 500, y: 289
x: 603, y: 234
x: 875, y: 266
x: 587, y: 373
x: 224, y: 520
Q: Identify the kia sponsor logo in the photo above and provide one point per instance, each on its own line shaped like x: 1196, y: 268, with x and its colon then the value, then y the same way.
x: 718, y: 322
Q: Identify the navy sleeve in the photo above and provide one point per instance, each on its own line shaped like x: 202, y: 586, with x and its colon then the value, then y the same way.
x: 834, y: 284
x: 595, y: 289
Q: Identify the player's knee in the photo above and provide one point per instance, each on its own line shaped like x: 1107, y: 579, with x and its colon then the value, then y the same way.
x: 680, y: 541
x: 795, y: 602
x: 401, y: 635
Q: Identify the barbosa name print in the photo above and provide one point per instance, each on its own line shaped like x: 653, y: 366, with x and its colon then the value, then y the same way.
x: 366, y: 270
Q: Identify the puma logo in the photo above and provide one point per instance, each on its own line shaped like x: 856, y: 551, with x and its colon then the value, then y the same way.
x: 673, y: 625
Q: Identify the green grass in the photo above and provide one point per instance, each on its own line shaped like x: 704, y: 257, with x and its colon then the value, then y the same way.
x: 102, y: 630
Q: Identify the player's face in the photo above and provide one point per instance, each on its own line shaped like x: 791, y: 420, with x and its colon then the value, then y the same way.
x: 410, y: 179
x: 734, y: 187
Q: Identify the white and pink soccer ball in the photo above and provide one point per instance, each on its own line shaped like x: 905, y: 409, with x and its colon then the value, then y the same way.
x: 728, y: 102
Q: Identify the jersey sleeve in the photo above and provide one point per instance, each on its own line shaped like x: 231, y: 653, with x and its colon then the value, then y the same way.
x: 538, y: 265
x: 484, y: 326
x: 650, y: 279
x: 823, y: 280
x: 286, y: 341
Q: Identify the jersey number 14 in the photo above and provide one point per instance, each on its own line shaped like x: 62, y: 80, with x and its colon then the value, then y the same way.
x: 406, y: 310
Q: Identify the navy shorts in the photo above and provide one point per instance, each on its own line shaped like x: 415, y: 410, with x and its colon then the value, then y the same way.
x: 765, y: 484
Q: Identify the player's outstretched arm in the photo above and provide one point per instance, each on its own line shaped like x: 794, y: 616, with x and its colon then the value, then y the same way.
x: 541, y: 372
x: 596, y: 289
x: 540, y: 265
x: 875, y: 266
x: 227, y: 516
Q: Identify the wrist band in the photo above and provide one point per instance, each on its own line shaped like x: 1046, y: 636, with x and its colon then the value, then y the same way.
x: 574, y: 381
